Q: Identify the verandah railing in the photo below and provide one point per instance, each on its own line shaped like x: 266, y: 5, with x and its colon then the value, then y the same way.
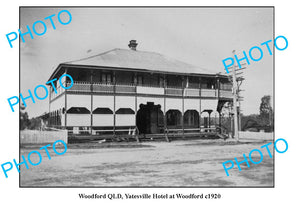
x: 130, y: 88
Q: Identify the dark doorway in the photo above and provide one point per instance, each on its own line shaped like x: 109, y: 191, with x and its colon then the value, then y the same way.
x: 173, y: 117
x: 207, y: 120
x: 150, y: 118
x: 191, y: 119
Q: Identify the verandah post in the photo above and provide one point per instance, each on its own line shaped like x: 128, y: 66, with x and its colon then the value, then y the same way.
x: 91, y: 92
x: 114, y: 91
x: 182, y: 117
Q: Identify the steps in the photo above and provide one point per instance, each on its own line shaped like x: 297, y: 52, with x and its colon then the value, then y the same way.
x: 223, y: 136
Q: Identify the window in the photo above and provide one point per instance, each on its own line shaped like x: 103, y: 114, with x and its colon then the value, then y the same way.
x: 161, y: 81
x: 106, y: 78
x: 124, y: 78
x: 154, y: 80
x: 140, y: 80
x: 208, y: 83
x: 174, y: 81
x: 193, y: 82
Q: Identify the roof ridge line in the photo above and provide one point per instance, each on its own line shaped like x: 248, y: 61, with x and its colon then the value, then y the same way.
x: 89, y: 57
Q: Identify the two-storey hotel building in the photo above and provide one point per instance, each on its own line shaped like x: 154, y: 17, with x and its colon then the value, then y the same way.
x: 127, y: 89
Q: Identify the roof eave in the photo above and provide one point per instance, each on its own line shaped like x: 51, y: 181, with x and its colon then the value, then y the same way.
x: 132, y: 69
x: 55, y: 72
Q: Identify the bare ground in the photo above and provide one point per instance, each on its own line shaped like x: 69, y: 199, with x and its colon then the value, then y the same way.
x: 194, y: 163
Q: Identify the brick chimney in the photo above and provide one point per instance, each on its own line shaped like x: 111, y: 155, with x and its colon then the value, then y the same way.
x: 132, y: 44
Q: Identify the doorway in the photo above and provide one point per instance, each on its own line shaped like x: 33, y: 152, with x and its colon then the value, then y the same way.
x: 150, y: 118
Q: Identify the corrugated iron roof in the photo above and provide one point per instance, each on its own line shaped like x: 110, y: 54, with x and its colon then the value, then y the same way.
x: 123, y: 58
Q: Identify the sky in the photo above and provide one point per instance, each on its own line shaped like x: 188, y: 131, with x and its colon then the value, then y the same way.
x: 198, y: 36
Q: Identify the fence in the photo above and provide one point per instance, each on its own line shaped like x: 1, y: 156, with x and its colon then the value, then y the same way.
x: 256, y: 135
x: 41, y: 137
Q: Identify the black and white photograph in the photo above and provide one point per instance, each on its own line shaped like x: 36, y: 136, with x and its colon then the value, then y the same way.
x: 150, y: 106
x: 147, y: 96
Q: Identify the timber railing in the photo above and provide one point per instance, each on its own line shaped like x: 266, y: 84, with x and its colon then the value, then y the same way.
x: 226, y: 94
x: 145, y: 89
x: 191, y: 131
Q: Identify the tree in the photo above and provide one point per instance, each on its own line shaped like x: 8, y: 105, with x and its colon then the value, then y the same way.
x: 266, y: 111
x: 24, y: 120
x: 33, y: 123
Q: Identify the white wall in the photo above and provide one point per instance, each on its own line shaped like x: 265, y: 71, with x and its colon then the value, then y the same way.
x: 192, y: 104
x: 78, y: 120
x: 125, y: 102
x: 78, y: 101
x: 103, y: 120
x: 125, y: 120
x: 174, y: 103
x: 150, y: 90
x: 57, y: 104
x: 156, y: 101
x: 103, y: 101
x: 209, y: 104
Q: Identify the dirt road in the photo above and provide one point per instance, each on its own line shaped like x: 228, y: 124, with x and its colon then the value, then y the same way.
x: 195, y: 163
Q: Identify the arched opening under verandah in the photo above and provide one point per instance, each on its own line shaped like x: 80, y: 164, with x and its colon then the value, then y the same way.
x: 174, y: 119
x: 206, y: 122
x: 191, y: 119
x: 150, y: 119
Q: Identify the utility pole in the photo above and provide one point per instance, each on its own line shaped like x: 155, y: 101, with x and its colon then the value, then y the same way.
x: 235, y: 97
